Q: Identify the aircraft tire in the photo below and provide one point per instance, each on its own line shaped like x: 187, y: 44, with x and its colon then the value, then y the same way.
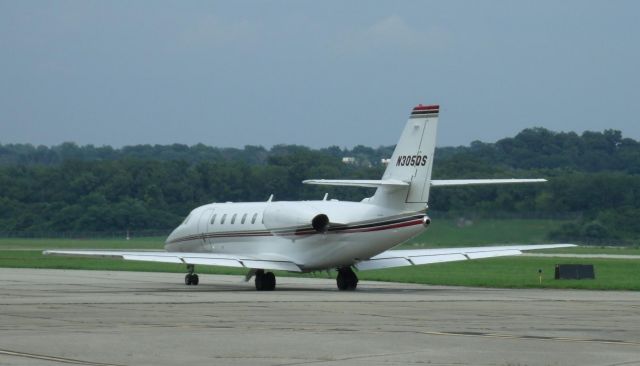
x: 191, y: 279
x: 347, y: 279
x: 353, y: 283
x: 260, y: 280
x: 341, y: 282
x: 269, y: 281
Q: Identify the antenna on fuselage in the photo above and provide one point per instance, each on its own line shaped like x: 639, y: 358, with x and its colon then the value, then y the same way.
x: 325, y: 196
x: 270, y: 198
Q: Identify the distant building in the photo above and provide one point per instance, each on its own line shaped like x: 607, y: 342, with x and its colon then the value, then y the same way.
x: 385, y: 161
x: 349, y: 160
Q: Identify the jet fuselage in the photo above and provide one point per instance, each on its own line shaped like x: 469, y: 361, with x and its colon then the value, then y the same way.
x: 354, y: 231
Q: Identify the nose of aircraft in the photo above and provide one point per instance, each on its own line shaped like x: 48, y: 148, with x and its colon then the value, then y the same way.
x: 170, y: 237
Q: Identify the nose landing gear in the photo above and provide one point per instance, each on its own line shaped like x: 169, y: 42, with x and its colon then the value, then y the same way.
x: 191, y: 278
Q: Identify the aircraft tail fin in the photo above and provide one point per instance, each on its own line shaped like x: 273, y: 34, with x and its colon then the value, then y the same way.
x: 406, y: 182
x: 411, y: 162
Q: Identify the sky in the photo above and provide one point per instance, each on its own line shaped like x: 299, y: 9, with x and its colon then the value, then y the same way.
x: 315, y: 73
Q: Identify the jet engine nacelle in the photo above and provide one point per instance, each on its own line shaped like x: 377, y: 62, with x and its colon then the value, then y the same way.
x: 285, y: 215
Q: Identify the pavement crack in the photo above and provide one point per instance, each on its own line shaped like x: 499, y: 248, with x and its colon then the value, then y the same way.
x: 70, y: 361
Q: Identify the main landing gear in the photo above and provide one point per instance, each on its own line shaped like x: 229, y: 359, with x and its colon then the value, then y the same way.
x: 265, y: 281
x: 347, y: 279
x: 191, y: 278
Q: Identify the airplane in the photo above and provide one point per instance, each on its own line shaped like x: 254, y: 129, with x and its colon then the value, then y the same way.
x: 309, y: 236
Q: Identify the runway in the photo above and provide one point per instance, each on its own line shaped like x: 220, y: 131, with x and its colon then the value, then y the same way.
x: 57, y: 317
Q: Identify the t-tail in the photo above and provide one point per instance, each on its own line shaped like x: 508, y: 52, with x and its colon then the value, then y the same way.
x: 407, y: 181
x: 411, y: 162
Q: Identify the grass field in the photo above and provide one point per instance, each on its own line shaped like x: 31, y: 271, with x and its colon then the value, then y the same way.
x: 516, y: 272
x: 611, y: 274
x: 156, y: 243
x: 512, y: 272
x: 447, y: 233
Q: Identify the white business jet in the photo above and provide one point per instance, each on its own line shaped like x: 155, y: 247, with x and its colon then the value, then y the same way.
x: 306, y: 236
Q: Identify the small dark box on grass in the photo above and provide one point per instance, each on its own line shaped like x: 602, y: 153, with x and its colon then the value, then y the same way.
x: 574, y: 271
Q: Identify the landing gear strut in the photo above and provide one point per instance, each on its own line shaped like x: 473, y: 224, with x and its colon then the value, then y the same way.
x: 191, y: 278
x: 347, y: 279
x: 265, y: 281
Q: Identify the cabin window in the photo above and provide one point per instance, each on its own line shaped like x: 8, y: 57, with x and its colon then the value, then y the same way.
x: 213, y: 219
x: 244, y: 218
x: 253, y: 219
x: 233, y: 218
x: 224, y: 217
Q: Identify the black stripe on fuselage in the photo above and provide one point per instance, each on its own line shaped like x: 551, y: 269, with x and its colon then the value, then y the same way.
x: 338, y: 229
x: 298, y: 230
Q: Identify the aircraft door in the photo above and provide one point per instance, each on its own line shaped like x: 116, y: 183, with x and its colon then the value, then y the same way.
x: 204, y: 223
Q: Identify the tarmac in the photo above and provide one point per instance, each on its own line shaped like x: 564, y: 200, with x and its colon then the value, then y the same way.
x: 58, y: 317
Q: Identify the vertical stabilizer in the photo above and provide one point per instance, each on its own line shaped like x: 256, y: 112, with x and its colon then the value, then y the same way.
x: 411, y: 162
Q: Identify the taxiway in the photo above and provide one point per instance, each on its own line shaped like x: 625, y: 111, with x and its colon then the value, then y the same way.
x: 56, y: 317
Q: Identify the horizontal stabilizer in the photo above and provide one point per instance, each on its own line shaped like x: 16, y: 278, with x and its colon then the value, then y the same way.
x: 475, y: 182
x: 371, y: 183
x: 358, y: 183
x: 401, y: 258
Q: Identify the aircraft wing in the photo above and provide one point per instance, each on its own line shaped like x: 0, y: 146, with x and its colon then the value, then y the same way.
x: 401, y: 258
x: 209, y: 259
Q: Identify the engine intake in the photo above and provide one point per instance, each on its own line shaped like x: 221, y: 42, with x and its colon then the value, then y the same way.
x: 281, y: 217
x: 320, y: 223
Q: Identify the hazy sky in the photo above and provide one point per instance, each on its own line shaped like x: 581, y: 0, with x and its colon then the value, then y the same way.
x: 316, y: 73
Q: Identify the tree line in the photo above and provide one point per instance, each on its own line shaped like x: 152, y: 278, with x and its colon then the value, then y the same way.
x: 593, y: 177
